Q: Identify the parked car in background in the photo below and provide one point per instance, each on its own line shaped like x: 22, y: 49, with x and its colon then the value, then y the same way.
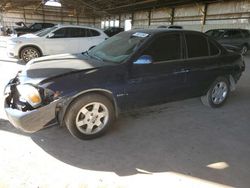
x: 234, y: 37
x: 111, y: 31
x: 133, y: 69
x: 55, y: 40
x: 32, y: 28
x: 5, y: 31
x: 232, y: 48
x: 170, y: 26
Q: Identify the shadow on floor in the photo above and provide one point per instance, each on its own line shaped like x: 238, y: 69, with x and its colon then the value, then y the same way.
x: 182, y: 137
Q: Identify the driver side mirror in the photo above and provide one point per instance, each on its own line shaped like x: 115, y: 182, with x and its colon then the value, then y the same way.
x: 51, y: 35
x: 144, y: 59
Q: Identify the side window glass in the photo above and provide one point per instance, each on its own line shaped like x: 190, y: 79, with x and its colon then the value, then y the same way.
x: 232, y: 34
x: 94, y: 33
x: 75, y: 32
x: 197, y: 45
x: 37, y: 26
x: 83, y: 32
x: 60, y: 33
x: 236, y: 34
x: 213, y: 49
x: 246, y: 33
x: 227, y: 34
x: 88, y: 33
x: 164, y: 48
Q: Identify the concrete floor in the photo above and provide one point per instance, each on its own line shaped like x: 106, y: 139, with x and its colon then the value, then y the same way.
x: 179, y: 144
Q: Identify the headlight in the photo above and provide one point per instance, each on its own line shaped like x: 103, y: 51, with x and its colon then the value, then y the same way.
x: 30, y: 94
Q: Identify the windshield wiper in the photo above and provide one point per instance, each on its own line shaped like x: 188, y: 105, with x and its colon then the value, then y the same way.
x: 85, y: 53
x: 96, y: 57
x: 92, y: 56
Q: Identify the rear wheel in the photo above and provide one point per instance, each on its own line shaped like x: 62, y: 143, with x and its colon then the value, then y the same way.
x: 89, y: 116
x: 217, y: 94
x: 29, y: 53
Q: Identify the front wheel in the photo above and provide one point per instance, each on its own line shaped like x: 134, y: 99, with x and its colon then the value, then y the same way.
x: 217, y: 94
x: 29, y: 53
x: 89, y: 116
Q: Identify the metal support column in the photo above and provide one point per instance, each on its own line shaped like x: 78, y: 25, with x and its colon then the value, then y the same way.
x: 172, y: 16
x: 204, y: 17
x: 149, y: 17
x: 120, y: 20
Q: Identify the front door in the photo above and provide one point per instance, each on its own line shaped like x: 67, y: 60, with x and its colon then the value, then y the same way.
x: 164, y: 78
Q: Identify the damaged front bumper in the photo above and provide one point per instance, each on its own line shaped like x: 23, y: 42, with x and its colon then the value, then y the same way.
x: 28, y: 120
x: 34, y: 120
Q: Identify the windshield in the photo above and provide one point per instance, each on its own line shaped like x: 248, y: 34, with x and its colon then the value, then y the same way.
x: 119, y: 47
x: 44, y: 32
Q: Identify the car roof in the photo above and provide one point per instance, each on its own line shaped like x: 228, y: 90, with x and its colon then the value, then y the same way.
x: 228, y: 29
x: 164, y: 30
x: 77, y: 26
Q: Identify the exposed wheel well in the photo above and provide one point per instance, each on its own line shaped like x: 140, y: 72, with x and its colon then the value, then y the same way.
x: 33, y: 46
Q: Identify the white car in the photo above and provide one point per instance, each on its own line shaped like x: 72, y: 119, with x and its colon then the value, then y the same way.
x: 55, y: 40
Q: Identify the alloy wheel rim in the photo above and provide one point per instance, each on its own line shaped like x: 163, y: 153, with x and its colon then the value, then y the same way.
x: 219, y: 92
x: 30, y: 54
x: 92, y: 118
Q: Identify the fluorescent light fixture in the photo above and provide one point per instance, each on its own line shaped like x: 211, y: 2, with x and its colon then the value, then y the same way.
x: 218, y: 165
x: 53, y: 3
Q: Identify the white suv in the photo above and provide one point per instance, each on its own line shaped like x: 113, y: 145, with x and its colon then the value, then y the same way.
x: 55, y: 40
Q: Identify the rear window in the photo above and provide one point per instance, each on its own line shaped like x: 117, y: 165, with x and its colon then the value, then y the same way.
x: 197, y: 45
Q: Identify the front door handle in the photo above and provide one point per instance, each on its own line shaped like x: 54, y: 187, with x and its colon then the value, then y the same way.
x: 182, y: 71
x: 135, y: 80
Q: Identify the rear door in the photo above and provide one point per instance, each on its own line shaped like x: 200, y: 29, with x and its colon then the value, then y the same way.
x: 164, y: 79
x: 202, y: 62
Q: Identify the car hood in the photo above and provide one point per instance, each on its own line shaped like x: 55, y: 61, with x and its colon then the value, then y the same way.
x: 26, y: 36
x: 23, y: 38
x: 29, y: 35
x: 43, y: 68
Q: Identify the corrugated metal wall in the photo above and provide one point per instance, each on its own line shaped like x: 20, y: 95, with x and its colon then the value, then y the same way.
x: 33, y: 14
x: 232, y: 14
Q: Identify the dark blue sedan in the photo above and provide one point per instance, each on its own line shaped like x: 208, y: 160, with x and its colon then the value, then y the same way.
x: 86, y: 92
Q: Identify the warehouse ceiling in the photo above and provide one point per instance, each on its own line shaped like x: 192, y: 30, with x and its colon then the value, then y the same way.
x: 102, y: 7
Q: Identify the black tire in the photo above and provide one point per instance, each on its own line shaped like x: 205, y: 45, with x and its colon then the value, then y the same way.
x: 210, y: 100
x: 74, y: 114
x: 29, y: 53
